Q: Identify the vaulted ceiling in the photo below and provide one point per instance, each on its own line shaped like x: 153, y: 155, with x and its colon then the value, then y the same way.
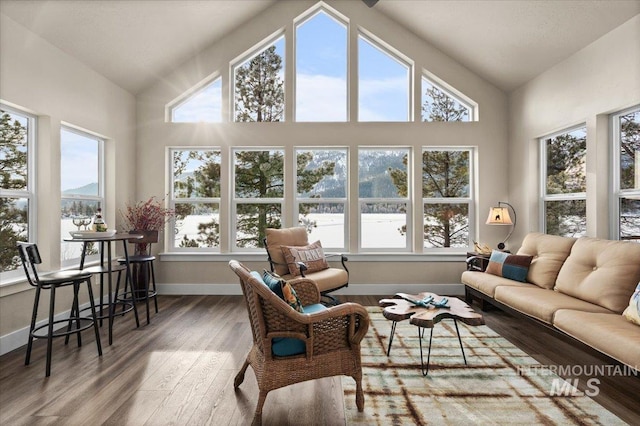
x: 134, y: 42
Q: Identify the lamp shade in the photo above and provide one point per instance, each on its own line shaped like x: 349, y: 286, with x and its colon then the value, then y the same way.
x: 499, y: 216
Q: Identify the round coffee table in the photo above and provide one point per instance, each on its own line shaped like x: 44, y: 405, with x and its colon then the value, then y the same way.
x: 408, y: 306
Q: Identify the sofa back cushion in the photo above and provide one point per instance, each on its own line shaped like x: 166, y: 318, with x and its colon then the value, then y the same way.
x: 276, y: 238
x: 549, y: 253
x: 602, y: 272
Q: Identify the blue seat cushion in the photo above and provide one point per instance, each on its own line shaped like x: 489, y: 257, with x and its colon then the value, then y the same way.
x: 287, y: 346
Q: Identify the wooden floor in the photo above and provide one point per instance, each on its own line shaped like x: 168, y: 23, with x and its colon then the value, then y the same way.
x: 179, y: 370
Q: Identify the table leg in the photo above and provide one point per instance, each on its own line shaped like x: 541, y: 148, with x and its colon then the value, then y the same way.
x: 460, y: 341
x: 393, y: 331
x: 420, y: 334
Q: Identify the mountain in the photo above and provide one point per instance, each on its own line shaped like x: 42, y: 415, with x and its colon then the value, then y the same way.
x: 89, y: 189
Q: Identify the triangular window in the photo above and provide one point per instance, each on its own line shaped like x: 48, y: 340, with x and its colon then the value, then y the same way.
x: 441, y: 104
x: 203, y: 104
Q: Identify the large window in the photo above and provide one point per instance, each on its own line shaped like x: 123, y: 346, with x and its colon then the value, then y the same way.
x: 81, y: 183
x: 321, y: 194
x: 258, y: 194
x: 564, y: 185
x: 384, y: 83
x: 195, y: 197
x: 202, y: 105
x: 626, y: 142
x: 447, y: 197
x: 321, y: 68
x: 17, y: 186
x: 259, y: 85
x: 384, y: 199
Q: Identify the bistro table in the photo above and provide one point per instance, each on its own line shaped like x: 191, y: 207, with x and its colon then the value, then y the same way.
x: 108, y: 268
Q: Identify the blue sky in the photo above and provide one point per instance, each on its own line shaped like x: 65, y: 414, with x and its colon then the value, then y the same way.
x: 78, y: 160
x: 321, y: 78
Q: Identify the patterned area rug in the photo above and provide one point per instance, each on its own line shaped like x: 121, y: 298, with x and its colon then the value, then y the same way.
x: 496, y: 387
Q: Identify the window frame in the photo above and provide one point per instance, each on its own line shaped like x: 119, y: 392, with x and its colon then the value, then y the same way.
x: 544, y: 197
x: 470, y: 201
x: 395, y: 54
x: 617, y: 192
x: 408, y: 200
x: 332, y: 200
x: 247, y: 56
x: 172, y: 199
x: 100, y: 198
x: 30, y: 193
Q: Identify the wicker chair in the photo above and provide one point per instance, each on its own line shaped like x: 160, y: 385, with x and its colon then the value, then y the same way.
x: 332, y: 337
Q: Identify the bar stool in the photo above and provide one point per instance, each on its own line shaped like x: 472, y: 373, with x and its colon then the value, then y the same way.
x: 142, y: 261
x: 30, y: 257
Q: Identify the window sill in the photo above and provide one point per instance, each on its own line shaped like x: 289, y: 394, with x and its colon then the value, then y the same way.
x: 360, y: 257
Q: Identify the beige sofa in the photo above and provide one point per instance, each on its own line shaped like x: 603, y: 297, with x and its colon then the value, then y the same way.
x: 577, y: 286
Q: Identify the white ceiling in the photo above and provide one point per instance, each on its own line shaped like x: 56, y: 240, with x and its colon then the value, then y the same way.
x: 134, y: 42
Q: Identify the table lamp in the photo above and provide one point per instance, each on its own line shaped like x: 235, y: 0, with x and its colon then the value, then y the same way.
x: 500, y: 216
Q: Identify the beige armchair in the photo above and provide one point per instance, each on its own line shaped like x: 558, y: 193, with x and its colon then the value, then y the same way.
x: 329, y: 338
x: 287, y: 258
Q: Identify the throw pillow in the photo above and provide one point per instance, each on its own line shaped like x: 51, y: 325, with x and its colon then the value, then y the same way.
x: 512, y: 266
x: 282, y: 289
x: 632, y: 313
x: 312, y: 256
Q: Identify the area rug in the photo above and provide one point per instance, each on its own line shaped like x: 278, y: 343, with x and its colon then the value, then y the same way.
x: 500, y: 385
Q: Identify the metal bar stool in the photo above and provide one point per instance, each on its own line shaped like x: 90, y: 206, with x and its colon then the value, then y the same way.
x: 30, y: 257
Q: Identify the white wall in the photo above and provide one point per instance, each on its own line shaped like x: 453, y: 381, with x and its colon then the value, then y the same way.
x: 602, y: 78
x: 489, y: 135
x: 43, y: 80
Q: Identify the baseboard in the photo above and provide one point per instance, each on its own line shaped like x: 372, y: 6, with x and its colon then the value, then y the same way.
x: 18, y: 338
x: 352, y: 289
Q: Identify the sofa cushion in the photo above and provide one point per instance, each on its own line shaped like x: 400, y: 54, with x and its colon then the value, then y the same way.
x: 486, y: 283
x: 327, y: 279
x: 609, y: 333
x: 311, y: 255
x: 549, y: 253
x: 541, y: 303
x: 632, y: 312
x: 512, y: 266
x: 296, y: 236
x: 603, y: 272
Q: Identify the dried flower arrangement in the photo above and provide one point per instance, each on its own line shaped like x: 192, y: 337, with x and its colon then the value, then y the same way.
x: 148, y: 215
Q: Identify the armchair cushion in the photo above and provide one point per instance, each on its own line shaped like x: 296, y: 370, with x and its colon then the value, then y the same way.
x: 311, y: 255
x: 282, y: 288
x: 296, y: 236
x: 286, y: 346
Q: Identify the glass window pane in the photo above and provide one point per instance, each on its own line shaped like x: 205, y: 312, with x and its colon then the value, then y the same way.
x: 76, y: 215
x: 630, y: 218
x: 567, y: 218
x: 324, y: 222
x: 259, y: 174
x: 14, y: 151
x: 383, y: 225
x: 321, y: 69
x: 383, y: 84
x: 79, y: 164
x: 197, y: 225
x: 252, y: 220
x: 445, y: 174
x: 196, y: 174
x: 14, y: 227
x: 566, y: 162
x: 438, y: 105
x: 259, y: 86
x: 321, y: 173
x: 203, y: 106
x: 630, y: 151
x: 446, y: 225
x: 382, y: 173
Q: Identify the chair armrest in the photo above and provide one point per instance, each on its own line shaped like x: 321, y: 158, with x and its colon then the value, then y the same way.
x: 358, y: 319
x: 306, y: 289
